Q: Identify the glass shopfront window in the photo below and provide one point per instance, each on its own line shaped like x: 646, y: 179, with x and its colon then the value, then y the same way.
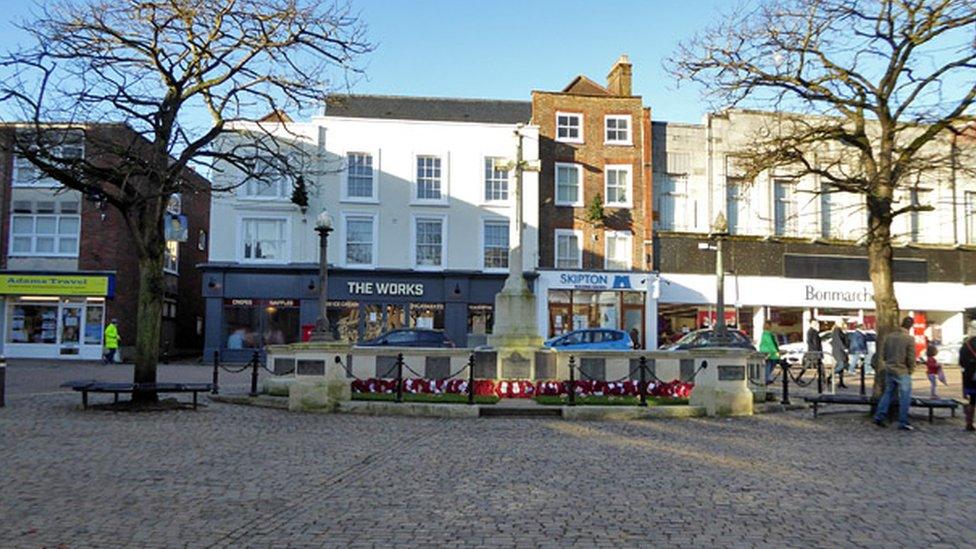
x: 344, y: 320
x: 33, y: 323
x: 579, y: 309
x: 69, y: 326
x: 254, y: 323
x: 481, y: 319
x: 427, y: 315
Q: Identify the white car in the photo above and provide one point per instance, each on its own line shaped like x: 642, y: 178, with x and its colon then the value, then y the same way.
x: 949, y: 352
x: 793, y: 352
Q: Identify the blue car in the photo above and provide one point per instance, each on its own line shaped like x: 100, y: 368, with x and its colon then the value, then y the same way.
x: 599, y: 339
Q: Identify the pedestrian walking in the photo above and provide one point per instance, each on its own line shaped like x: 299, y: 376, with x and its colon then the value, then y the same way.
x: 814, y: 356
x: 859, y: 348
x: 933, y: 369
x: 967, y: 360
x: 769, y: 347
x: 898, y: 361
x: 839, y: 346
x: 111, y: 342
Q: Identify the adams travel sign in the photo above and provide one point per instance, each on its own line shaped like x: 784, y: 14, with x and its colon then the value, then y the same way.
x: 57, y: 285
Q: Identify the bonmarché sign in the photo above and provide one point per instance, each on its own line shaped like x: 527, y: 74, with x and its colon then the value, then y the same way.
x: 386, y: 288
x: 817, y: 295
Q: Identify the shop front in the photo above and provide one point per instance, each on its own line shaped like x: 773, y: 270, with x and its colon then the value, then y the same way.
x: 573, y: 300
x: 250, y: 307
x: 790, y: 304
x: 54, y: 315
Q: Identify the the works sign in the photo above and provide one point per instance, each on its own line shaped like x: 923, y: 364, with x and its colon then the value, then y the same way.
x: 858, y: 296
x: 386, y: 288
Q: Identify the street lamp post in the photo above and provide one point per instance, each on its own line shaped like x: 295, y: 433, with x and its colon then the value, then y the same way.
x: 720, y: 229
x: 323, y: 226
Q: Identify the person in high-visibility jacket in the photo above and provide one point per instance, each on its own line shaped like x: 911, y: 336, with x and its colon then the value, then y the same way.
x: 111, y: 342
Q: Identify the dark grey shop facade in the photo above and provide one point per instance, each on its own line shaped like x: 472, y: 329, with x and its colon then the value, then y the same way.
x: 251, y: 306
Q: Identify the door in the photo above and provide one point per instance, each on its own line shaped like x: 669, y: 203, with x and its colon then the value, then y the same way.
x: 69, y: 329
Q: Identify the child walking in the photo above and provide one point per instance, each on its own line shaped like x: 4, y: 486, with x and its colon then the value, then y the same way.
x: 933, y: 369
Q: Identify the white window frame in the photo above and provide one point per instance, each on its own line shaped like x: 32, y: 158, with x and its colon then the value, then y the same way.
x: 969, y: 216
x: 171, y: 262
x: 579, y: 116
x: 286, y: 237
x: 630, y: 129
x: 629, y: 203
x: 484, y: 182
x: 42, y: 182
x: 579, y: 182
x: 413, y: 242
x: 791, y: 223
x: 283, y: 186
x: 345, y: 216
x: 445, y: 180
x: 494, y: 219
x: 374, y: 198
x: 630, y: 249
x: 555, y: 248
x: 34, y: 235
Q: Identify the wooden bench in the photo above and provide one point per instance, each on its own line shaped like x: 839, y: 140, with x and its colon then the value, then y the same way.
x: 864, y: 400
x: 91, y: 386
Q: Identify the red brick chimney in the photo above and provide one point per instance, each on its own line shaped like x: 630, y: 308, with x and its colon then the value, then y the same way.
x: 619, y: 81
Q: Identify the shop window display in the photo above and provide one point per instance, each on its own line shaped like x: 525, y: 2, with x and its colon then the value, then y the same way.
x: 29, y: 323
x: 427, y: 315
x: 252, y: 324
x: 344, y: 320
x: 481, y: 319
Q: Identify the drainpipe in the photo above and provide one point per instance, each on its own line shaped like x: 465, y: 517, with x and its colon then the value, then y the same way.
x: 953, y: 152
x: 708, y: 166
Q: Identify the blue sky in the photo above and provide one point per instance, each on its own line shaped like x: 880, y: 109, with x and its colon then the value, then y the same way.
x: 503, y: 49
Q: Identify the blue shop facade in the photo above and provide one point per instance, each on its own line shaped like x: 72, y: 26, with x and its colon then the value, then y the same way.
x: 251, y: 306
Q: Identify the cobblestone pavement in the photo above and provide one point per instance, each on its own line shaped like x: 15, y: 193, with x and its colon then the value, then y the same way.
x: 232, y: 476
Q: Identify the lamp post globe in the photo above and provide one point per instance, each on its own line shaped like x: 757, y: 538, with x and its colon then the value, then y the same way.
x: 323, y: 226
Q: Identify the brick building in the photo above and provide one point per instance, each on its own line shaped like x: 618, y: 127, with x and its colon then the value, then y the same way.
x: 68, y: 263
x: 594, y: 147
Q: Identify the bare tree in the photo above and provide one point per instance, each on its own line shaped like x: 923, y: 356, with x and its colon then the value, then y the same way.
x: 173, y: 75
x: 867, y: 95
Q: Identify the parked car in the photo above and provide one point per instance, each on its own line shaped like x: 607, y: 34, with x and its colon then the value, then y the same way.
x: 410, y: 337
x: 603, y: 339
x: 699, y: 339
x: 793, y: 353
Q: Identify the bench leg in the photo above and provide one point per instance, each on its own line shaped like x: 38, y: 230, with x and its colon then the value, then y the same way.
x: 931, y: 415
x: 116, y: 397
x: 194, y: 400
x: 816, y: 405
x: 953, y: 410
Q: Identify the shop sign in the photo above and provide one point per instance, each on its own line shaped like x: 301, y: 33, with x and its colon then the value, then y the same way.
x: 244, y: 302
x: 597, y: 281
x: 859, y: 296
x: 386, y: 288
x: 57, y: 285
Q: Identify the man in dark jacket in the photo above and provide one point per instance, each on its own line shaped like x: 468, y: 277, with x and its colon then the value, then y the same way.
x: 813, y: 338
x: 967, y: 360
x: 898, y: 359
x: 838, y: 349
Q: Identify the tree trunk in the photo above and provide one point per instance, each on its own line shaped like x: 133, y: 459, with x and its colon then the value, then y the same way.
x: 879, y: 267
x: 149, y: 321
